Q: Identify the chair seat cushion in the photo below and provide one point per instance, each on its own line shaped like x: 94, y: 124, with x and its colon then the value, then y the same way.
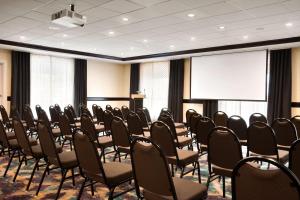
x: 117, y: 172
x: 124, y: 149
x: 283, y: 147
x: 14, y: 143
x: 221, y: 171
x: 185, y: 157
x: 105, y: 141
x: 179, y: 125
x: 99, y: 127
x: 184, y: 141
x: 32, y: 141
x: 68, y: 137
x: 56, y: 132
x: 185, y: 190
x: 181, y: 131
x: 146, y: 135
x: 10, y: 135
x: 37, y: 151
x: 68, y: 159
x: 243, y: 142
x: 282, y: 154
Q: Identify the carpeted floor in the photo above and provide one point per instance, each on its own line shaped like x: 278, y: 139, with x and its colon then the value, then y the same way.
x: 16, y: 190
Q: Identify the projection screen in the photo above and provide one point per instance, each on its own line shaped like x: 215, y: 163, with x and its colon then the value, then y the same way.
x: 232, y: 76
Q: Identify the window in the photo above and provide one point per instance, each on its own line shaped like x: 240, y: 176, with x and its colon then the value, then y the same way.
x: 52, y: 81
x: 154, y: 82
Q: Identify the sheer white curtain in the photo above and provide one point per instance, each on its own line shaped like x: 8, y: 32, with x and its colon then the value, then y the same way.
x: 243, y: 108
x: 51, y: 81
x: 154, y: 81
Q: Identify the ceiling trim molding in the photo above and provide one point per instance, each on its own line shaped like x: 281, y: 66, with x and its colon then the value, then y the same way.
x: 158, y: 55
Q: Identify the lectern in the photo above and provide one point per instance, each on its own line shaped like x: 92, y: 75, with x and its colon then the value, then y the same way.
x: 137, y: 101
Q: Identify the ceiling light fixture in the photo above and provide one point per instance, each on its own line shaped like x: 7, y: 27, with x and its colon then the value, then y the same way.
x: 111, y: 33
x: 172, y: 46
x: 145, y: 41
x: 65, y: 35
x: 125, y: 19
x: 54, y: 28
x: 289, y: 24
x: 191, y: 15
x: 221, y: 27
x: 22, y: 37
x: 245, y: 37
x: 192, y: 38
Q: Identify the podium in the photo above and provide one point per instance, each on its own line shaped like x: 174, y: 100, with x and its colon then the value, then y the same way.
x: 137, y: 101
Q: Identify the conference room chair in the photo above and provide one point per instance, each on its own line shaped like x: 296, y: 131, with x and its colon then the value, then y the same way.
x: 72, y: 118
x: 111, y: 174
x: 99, y: 115
x: 252, y: 182
x: 85, y: 110
x: 54, y: 115
x: 121, y: 138
x: 30, y: 121
x: 102, y: 142
x: 117, y: 112
x: 135, y: 126
x: 257, y: 117
x: 285, y: 133
x: 152, y: 173
x: 5, y: 119
x: 166, y: 111
x: 204, y: 127
x: 162, y: 136
x: 73, y: 113
x: 294, y: 158
x: 57, y: 108
x: 143, y: 117
x: 8, y: 134
x: 55, y: 130
x: 65, y: 160
x: 29, y: 149
x: 38, y: 109
x: 261, y: 141
x: 220, y: 118
x: 125, y: 111
x: 223, y: 153
x: 239, y: 127
x: 146, y: 111
x: 296, y: 122
x: 107, y: 118
x: 180, y: 135
x: 94, y: 110
x: 108, y: 107
x: 65, y: 129
x: 188, y: 114
x: 194, y: 119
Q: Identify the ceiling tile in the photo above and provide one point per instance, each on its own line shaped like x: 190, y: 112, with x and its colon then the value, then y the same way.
x: 121, y: 6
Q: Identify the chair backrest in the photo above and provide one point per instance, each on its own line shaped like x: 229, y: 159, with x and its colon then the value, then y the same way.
x: 204, y: 127
x: 68, y: 113
x: 118, y: 113
x: 150, y: 168
x: 99, y: 114
x: 125, y: 111
x: 90, y: 165
x: 188, y: 115
x: 220, y: 118
x: 72, y: 110
x: 47, y: 143
x: 54, y: 114
x: 257, y: 117
x: 88, y: 126
x: 238, y: 125
x: 135, y: 125
x: 162, y: 136
x: 296, y: 121
x: 94, y: 109
x: 250, y: 182
x: 85, y: 110
x: 107, y: 118
x: 194, y: 119
x: 28, y: 117
x: 64, y: 125
x: 261, y: 139
x: 44, y: 118
x: 4, y: 115
x: 143, y: 117
x: 108, y: 107
x: 119, y: 132
x: 147, y: 114
x: 285, y: 131
x: 170, y: 123
x: 294, y: 158
x: 57, y: 108
x: 3, y: 136
x: 166, y: 111
x: 224, y: 148
x: 21, y: 136
x: 38, y: 109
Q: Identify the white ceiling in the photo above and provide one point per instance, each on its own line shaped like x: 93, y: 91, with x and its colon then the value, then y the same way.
x: 161, y: 22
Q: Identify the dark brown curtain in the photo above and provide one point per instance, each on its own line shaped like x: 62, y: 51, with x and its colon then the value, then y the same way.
x: 80, y: 83
x: 279, y: 99
x: 134, y: 81
x: 20, y: 81
x: 176, y: 88
x: 210, y: 107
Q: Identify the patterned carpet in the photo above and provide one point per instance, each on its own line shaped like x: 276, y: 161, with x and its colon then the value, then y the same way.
x: 10, y: 190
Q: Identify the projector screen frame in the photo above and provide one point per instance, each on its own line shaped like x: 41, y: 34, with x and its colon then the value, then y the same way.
x: 251, y: 100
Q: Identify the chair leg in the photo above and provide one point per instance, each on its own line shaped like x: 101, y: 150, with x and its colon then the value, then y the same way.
x: 103, y: 154
x: 115, y: 156
x: 111, y: 193
x: 92, y: 188
x: 182, y: 171
x: 120, y: 156
x: 18, y: 169
x: 61, y: 183
x: 223, y: 186
x: 81, y: 189
x: 32, y: 174
x: 199, y: 172
x: 9, y: 162
x: 172, y: 171
x: 73, y: 178
x: 42, y: 179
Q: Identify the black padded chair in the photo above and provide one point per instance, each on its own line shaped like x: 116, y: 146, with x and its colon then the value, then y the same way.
x: 257, y: 117
x: 239, y: 127
x: 285, y: 132
x: 220, y: 118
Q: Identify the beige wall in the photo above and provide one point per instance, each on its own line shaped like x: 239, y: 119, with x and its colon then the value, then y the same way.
x: 296, y: 79
x: 5, y: 58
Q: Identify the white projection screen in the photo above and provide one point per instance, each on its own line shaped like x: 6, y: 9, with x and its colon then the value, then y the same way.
x: 232, y: 76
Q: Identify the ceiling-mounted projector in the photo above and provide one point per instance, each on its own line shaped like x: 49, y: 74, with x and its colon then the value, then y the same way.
x: 68, y: 18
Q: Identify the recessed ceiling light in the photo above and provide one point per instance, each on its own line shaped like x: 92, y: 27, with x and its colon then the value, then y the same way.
x: 245, y: 37
x: 122, y: 53
x: 95, y: 49
x: 145, y: 41
x: 65, y: 35
x: 125, y: 19
x: 62, y: 44
x: 111, y: 33
x: 53, y: 28
x: 22, y: 37
x: 172, y: 46
x: 131, y: 48
x: 191, y: 15
x: 221, y: 27
x: 289, y: 24
x: 192, y: 38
